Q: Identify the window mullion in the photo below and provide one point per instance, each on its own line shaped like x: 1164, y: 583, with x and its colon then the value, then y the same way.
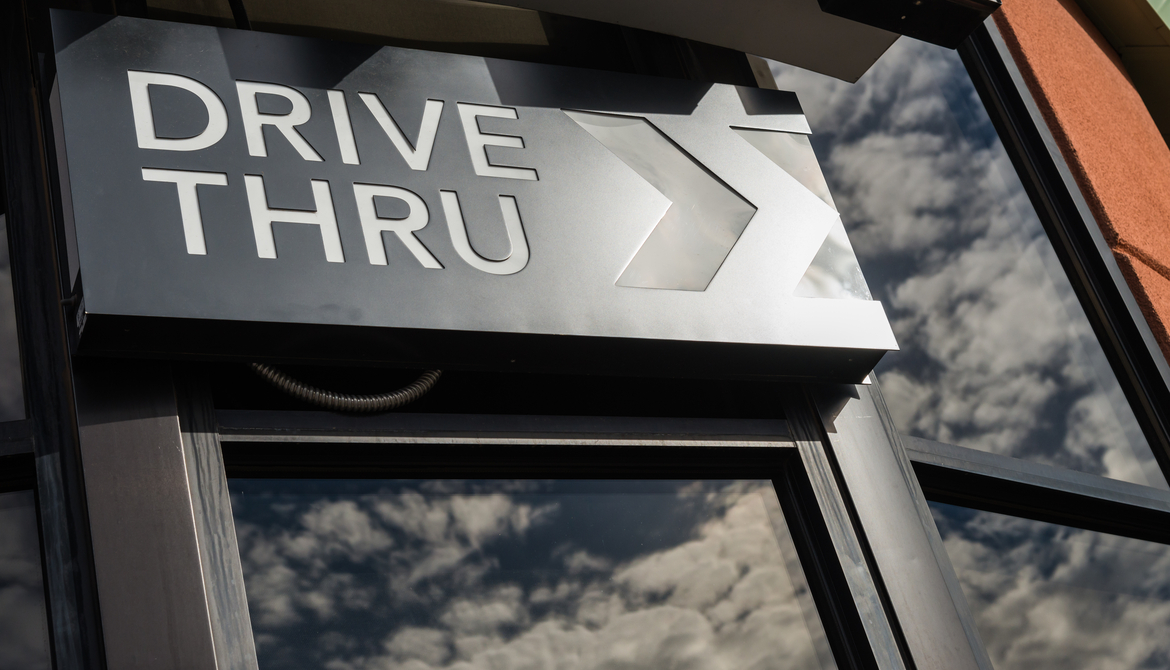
x: 215, y: 530
x: 967, y: 477
x: 807, y: 433
x: 878, y: 479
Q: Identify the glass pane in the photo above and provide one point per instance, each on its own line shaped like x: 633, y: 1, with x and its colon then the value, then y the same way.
x: 997, y: 353
x: 11, y: 384
x: 1049, y: 596
x: 523, y: 574
x: 24, y: 633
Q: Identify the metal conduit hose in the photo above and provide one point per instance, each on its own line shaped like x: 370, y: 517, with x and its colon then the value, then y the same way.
x: 344, y: 402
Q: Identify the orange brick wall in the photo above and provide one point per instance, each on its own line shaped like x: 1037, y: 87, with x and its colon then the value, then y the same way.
x: 1115, y: 151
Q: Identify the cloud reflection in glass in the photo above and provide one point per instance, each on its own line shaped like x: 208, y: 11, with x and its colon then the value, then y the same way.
x: 1052, y: 597
x: 24, y: 633
x: 997, y: 353
x: 357, y: 574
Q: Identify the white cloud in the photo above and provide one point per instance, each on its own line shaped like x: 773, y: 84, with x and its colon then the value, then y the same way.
x: 24, y: 643
x: 721, y: 599
x: 308, y: 571
x: 427, y: 645
x: 1048, y: 596
x: 996, y: 354
x: 580, y: 561
x: 486, y: 613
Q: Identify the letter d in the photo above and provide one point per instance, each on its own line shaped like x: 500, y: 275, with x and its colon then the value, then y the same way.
x: 217, y: 121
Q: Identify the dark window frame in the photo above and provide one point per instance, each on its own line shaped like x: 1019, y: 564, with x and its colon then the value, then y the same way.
x: 975, y: 479
x: 259, y: 445
x: 1117, y: 321
x: 50, y: 430
x: 827, y: 438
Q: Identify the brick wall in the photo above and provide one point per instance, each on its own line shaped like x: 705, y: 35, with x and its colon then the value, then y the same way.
x: 1115, y: 151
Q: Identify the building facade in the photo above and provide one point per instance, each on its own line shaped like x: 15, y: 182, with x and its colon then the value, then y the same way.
x: 436, y: 333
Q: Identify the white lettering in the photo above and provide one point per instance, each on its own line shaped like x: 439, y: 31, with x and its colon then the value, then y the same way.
x: 263, y: 217
x: 517, y: 258
x: 217, y: 121
x: 373, y: 225
x: 418, y: 155
x: 349, y: 153
x: 477, y: 141
x: 255, y: 120
x: 187, y: 182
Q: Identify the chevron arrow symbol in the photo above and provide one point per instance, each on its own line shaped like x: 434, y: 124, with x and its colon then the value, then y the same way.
x: 705, y: 218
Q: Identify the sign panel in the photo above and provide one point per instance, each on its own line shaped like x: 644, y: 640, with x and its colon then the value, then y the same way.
x: 248, y: 194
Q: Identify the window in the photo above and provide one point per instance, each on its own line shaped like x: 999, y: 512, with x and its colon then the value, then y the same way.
x: 24, y: 634
x: 508, y: 519
x: 1050, y: 596
x: 523, y: 573
x: 1052, y: 511
x: 11, y: 382
x: 997, y: 354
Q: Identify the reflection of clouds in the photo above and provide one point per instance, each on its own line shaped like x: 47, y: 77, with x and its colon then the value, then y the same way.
x: 11, y: 391
x: 24, y: 637
x: 1047, y: 596
x: 996, y: 353
x: 292, y: 573
x: 722, y: 599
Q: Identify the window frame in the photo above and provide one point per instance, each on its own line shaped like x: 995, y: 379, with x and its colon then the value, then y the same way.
x: 261, y: 444
x: 1117, y: 321
x: 879, y: 530
x: 49, y: 431
x: 957, y: 475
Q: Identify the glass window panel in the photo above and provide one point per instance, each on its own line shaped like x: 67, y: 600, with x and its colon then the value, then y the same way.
x: 997, y: 353
x: 11, y: 382
x: 1049, y: 596
x: 24, y: 634
x: 523, y: 574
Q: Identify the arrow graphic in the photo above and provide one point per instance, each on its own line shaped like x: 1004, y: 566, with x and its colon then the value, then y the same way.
x: 706, y: 217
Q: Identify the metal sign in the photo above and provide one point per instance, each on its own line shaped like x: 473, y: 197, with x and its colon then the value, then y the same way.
x: 247, y: 194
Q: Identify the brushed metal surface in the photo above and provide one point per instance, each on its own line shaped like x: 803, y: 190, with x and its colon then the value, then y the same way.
x: 705, y: 217
x: 1044, y: 477
x: 794, y: 154
x: 583, y: 211
x: 809, y: 437
x: 219, y: 552
x: 145, y: 547
x: 925, y: 594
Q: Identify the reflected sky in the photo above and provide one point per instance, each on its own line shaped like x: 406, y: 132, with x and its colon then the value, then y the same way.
x: 360, y: 574
x: 24, y: 635
x: 11, y: 389
x: 1047, y: 596
x: 996, y: 353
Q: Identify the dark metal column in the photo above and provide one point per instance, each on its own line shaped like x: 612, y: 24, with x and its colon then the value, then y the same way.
x: 1117, y: 320
x: 906, y: 547
x: 146, y: 550
x: 809, y: 437
x: 219, y: 553
x: 73, y: 610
